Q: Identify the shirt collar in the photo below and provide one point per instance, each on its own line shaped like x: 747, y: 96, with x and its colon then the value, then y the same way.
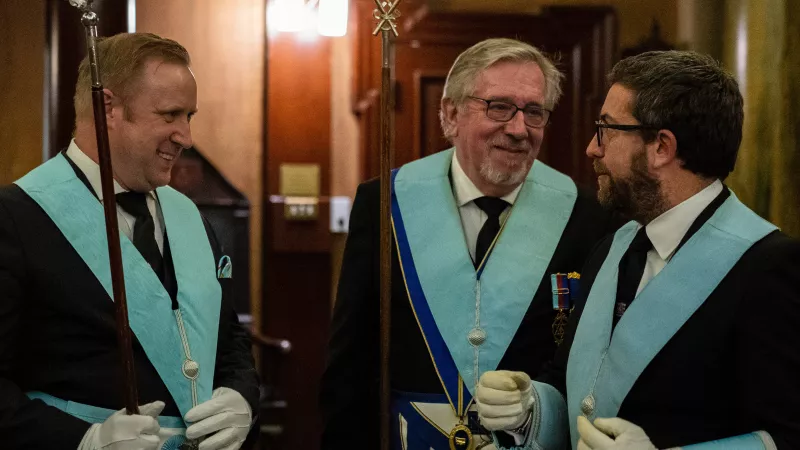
x: 667, y: 230
x: 466, y: 191
x: 92, y: 170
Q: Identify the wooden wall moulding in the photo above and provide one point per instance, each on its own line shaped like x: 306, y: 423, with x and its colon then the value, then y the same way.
x: 583, y: 40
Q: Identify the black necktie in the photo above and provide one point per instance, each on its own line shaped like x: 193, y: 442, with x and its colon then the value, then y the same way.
x: 631, y: 269
x: 493, y: 207
x: 144, y: 235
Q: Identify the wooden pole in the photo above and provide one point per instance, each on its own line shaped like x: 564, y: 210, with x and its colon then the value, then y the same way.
x: 129, y: 386
x: 386, y: 13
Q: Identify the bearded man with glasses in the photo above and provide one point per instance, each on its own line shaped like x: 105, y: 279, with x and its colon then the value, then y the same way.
x: 688, y: 334
x: 484, y: 235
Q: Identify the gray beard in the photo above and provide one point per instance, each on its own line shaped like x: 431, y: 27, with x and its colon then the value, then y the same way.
x: 503, y: 178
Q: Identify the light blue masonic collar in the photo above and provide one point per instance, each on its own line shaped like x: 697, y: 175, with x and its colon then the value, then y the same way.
x: 79, y: 216
x: 603, y: 367
x: 446, y: 274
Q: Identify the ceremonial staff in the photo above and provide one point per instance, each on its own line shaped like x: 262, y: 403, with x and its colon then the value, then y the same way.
x: 386, y: 13
x: 89, y: 21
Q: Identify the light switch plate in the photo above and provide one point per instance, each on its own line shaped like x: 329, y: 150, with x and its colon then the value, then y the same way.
x: 300, y: 208
x: 340, y: 214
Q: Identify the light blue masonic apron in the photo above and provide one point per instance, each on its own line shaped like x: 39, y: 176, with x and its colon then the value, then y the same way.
x: 603, y: 367
x: 182, y: 343
x: 467, y: 317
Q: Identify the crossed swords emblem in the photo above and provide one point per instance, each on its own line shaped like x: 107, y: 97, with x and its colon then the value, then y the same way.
x: 387, y: 15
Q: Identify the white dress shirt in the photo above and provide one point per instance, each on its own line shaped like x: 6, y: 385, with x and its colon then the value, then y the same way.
x: 667, y: 230
x: 472, y: 217
x: 126, y: 221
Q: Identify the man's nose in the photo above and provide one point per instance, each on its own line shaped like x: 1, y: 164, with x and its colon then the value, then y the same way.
x: 516, y: 126
x: 593, y: 150
x: 183, y: 135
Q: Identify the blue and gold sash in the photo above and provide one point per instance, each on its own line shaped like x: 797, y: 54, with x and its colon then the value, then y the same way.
x: 441, y: 279
x: 603, y: 367
x: 458, y: 395
x: 79, y: 216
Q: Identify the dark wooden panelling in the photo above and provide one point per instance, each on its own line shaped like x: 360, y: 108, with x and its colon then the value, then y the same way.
x: 301, y: 236
x: 297, y: 308
x: 65, y: 48
x: 581, y: 39
x: 226, y: 209
x: 22, y: 30
x: 428, y: 89
x: 297, y: 262
x: 299, y: 92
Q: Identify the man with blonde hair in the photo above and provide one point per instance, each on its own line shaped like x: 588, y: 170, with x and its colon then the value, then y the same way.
x: 484, y: 233
x: 59, y: 363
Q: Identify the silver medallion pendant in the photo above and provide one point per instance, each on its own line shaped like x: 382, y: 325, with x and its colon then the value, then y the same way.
x: 190, y: 369
x: 476, y: 336
x: 587, y: 405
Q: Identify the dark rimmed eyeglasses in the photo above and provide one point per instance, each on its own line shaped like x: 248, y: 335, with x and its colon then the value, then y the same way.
x: 600, y: 125
x: 500, y: 111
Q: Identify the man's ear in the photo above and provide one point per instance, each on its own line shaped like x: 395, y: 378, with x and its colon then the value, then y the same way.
x: 110, y: 100
x: 449, y: 118
x: 666, y: 151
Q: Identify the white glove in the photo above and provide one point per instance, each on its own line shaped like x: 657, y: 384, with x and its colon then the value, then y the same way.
x: 611, y: 434
x: 123, y: 432
x: 504, y: 399
x: 225, y: 419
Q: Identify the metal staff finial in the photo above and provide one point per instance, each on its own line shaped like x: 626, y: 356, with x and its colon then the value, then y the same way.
x: 83, y: 5
x: 129, y: 386
x: 386, y: 14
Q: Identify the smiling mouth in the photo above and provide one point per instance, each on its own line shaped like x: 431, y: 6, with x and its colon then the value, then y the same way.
x: 166, y: 156
x: 512, y: 150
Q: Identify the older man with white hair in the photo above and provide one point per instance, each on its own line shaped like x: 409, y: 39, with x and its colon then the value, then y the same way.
x: 485, y: 234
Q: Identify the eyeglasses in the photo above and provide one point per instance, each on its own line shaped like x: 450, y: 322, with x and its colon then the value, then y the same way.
x: 600, y: 125
x: 499, y: 111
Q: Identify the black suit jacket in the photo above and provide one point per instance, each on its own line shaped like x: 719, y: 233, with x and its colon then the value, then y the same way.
x: 733, y: 367
x: 349, y: 396
x: 58, y: 334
